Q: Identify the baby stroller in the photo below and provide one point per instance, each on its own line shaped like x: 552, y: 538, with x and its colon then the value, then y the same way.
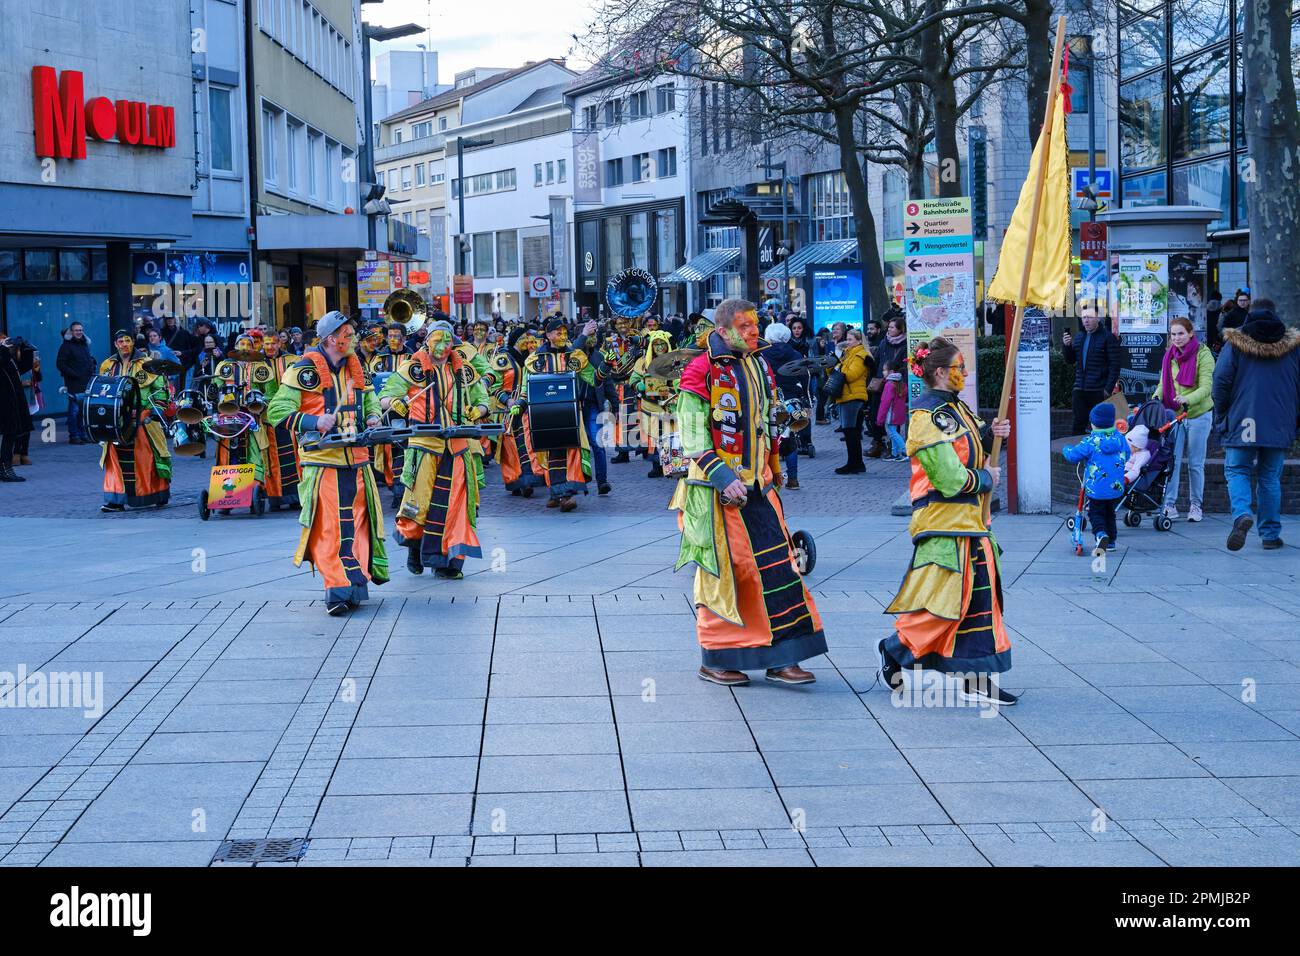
x: 1146, y: 495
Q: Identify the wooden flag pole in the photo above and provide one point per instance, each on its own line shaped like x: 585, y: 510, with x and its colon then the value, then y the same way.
x: 1044, y: 137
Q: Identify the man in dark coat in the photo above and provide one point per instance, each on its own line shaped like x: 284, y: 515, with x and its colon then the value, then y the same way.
x: 180, y: 340
x: 1256, y: 409
x: 76, y: 365
x: 1096, y: 356
x: 15, y: 417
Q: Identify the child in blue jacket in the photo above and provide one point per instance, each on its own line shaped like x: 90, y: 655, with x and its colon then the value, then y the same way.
x: 1106, y: 452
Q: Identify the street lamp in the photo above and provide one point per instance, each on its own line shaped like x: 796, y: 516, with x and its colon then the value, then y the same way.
x: 785, y: 225
x: 379, y: 34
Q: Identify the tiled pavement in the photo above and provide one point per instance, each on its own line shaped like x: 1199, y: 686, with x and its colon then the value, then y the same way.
x: 545, y: 711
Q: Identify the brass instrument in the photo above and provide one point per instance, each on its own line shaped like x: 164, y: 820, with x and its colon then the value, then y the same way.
x: 408, y: 308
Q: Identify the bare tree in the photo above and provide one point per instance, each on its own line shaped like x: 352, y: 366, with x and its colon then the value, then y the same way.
x: 1273, y: 155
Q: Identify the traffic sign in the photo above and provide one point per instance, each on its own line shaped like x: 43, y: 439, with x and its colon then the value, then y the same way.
x: 772, y: 286
x: 539, y: 287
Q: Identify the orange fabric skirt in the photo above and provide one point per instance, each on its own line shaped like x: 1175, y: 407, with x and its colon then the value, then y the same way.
x: 338, y: 542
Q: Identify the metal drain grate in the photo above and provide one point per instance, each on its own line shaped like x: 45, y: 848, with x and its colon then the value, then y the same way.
x: 284, y: 850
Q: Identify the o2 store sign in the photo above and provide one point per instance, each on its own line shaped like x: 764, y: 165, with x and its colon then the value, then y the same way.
x: 63, y: 117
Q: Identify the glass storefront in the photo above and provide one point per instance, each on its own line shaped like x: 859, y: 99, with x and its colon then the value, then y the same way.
x: 645, y: 237
x: 1181, y: 132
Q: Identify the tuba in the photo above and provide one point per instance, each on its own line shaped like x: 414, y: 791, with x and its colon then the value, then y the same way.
x: 407, y: 308
x: 631, y: 293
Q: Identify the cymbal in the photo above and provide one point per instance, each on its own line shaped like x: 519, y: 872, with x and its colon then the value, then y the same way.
x: 245, y: 355
x: 800, y: 366
x: 162, y: 366
x: 671, y: 364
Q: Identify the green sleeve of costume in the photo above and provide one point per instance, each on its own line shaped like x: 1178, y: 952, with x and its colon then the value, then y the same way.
x: 588, y: 374
x: 395, y: 387
x: 638, y: 381
x: 370, y: 405
x: 943, y: 468
x: 693, y: 420
x: 478, y: 393
x: 285, y: 402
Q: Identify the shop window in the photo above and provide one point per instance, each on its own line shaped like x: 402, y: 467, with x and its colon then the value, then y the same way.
x: 221, y: 150
x: 1142, y: 122
x: 74, y: 265
x: 615, y: 259
x: 1204, y: 184
x: 1142, y: 45
x: 483, y: 255
x: 40, y: 265
x: 508, y: 253
x: 666, y: 240
x: 11, y: 269
x: 1147, y: 189
x: 1200, y: 96
x: 1199, y: 23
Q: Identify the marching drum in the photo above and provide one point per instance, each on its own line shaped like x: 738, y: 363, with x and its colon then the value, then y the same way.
x: 111, y: 409
x: 191, y: 406
x: 553, y: 416
x: 187, y: 438
x: 228, y: 399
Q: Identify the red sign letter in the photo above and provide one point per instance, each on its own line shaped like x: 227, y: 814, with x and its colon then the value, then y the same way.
x: 58, y: 112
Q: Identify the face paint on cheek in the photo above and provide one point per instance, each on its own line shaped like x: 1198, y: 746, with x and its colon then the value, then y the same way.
x: 956, y: 379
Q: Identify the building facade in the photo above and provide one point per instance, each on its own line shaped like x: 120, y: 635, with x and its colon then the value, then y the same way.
x: 630, y: 167
x: 1181, y: 138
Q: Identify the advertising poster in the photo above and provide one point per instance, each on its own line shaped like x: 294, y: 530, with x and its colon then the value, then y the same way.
x: 231, y: 486
x: 1142, y: 303
x: 837, y: 295
x: 374, y: 283
x: 1186, y: 289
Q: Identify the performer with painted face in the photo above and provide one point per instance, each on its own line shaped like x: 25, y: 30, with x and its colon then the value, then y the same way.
x: 370, y: 342
x: 658, y: 398
x: 566, y: 471
x: 443, y: 477
x: 388, y: 460
x: 327, y: 392
x: 281, y: 467
x: 622, y: 349
x: 512, y: 449
x: 137, y: 475
x: 949, y: 606
x: 753, y: 609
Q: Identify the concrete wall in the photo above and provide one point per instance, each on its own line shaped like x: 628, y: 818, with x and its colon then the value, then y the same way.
x: 126, y: 49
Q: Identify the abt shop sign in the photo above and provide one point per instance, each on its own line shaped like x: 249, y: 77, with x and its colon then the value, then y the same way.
x: 63, y: 117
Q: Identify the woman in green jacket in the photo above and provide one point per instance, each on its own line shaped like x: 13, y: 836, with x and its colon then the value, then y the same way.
x: 1186, y: 379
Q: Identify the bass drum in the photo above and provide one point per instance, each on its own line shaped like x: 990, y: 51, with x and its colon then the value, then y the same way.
x: 110, y: 409
x: 554, y: 421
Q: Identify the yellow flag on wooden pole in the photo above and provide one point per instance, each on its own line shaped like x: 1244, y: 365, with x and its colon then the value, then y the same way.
x: 1043, y: 277
x: 1039, y: 236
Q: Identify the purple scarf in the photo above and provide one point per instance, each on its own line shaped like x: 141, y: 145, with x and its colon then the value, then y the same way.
x: 1186, y: 357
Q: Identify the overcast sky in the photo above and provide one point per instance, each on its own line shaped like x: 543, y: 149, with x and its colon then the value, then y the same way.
x: 501, y: 33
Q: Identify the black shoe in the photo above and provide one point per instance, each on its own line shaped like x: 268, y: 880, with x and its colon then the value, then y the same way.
x: 1240, y: 528
x: 528, y: 492
x: 413, y: 562
x: 515, y: 492
x: 337, y: 608
x: 812, y: 452
x: 984, y: 690
x: 107, y: 509
x: 453, y: 574
x: 1103, y: 545
x: 603, y: 488
x: 620, y: 459
x: 7, y: 473
x: 656, y: 472
x: 890, y: 672
x: 850, y: 469
x: 1272, y: 544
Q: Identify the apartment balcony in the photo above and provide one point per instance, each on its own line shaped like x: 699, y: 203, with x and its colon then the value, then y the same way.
x: 412, y: 147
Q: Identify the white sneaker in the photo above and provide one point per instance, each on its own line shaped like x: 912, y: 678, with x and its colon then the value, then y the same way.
x: 1194, y: 513
x: 1171, y: 512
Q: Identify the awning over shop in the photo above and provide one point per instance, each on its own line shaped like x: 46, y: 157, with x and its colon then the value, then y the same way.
x: 703, y: 266
x: 832, y: 252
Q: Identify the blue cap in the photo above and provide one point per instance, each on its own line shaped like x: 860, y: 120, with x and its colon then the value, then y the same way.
x: 1102, y: 415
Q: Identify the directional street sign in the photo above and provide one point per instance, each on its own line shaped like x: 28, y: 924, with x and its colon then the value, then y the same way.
x: 939, y: 283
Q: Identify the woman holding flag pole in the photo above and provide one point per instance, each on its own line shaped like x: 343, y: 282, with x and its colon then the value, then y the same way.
x: 949, y: 606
